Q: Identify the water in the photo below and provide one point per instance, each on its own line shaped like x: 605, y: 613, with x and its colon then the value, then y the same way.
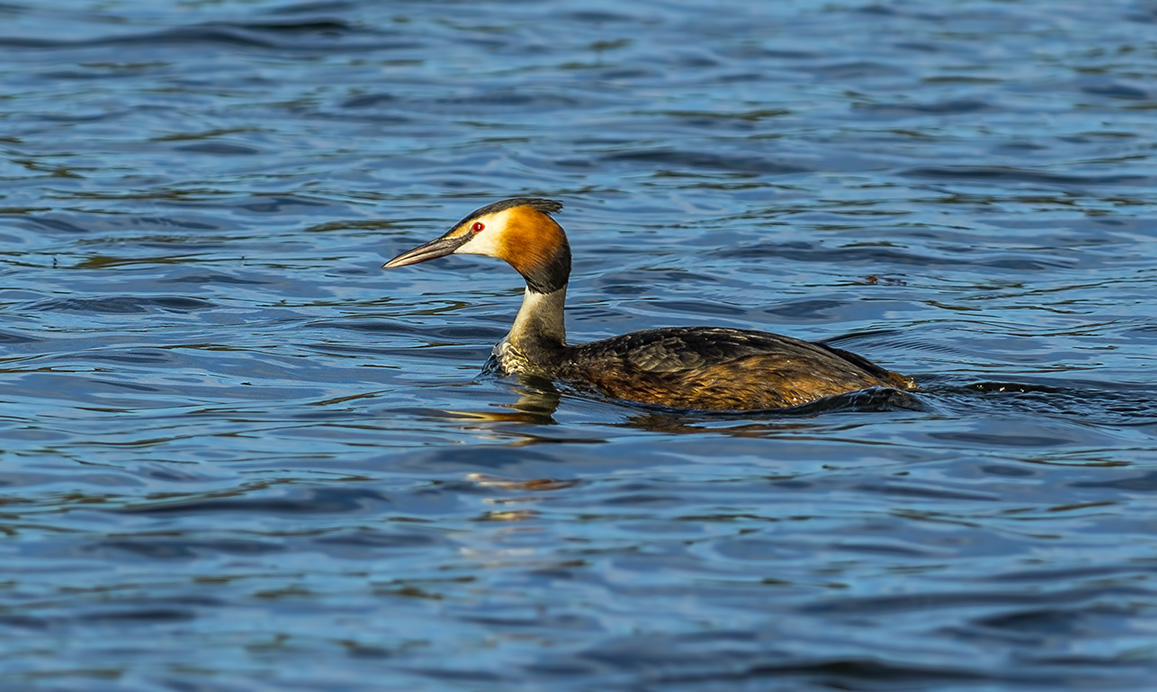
x: 240, y: 456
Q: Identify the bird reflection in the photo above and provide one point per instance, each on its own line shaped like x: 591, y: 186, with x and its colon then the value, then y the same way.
x: 537, y: 401
x: 538, y: 398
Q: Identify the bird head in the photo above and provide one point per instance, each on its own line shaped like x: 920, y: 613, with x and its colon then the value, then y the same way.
x: 520, y: 231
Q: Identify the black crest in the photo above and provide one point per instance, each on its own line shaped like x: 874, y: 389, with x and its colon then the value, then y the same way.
x: 546, y: 206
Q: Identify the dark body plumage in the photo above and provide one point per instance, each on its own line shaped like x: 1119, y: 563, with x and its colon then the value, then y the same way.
x: 709, y: 368
x: 683, y: 367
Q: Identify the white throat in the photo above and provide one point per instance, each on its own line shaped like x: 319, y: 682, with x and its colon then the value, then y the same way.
x: 541, y: 315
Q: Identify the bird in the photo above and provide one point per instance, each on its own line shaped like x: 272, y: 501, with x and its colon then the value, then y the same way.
x: 690, y: 368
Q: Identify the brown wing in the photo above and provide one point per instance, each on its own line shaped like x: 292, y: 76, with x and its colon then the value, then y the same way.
x: 711, y: 368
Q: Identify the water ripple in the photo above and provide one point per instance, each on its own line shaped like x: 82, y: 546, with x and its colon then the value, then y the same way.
x: 239, y: 455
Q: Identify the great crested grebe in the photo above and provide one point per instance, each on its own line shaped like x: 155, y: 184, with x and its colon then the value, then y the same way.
x: 681, y: 367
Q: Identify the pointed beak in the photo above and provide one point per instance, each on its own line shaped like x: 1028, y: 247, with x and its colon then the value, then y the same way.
x: 438, y: 247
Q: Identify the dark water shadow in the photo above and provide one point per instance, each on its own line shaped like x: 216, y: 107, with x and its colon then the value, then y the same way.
x: 284, y: 34
x: 1089, y: 403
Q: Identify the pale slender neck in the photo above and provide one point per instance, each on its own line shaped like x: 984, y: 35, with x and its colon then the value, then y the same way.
x: 540, y: 321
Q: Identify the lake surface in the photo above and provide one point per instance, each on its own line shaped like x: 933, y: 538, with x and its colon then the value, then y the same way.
x: 238, y: 455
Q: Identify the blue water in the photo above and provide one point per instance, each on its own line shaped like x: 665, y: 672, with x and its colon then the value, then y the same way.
x: 238, y: 455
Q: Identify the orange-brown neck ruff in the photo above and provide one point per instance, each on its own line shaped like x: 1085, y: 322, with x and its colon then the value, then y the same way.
x: 535, y: 245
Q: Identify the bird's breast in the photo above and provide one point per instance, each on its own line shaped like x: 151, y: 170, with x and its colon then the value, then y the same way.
x: 509, y: 360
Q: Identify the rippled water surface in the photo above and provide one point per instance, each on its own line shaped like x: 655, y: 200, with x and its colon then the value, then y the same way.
x: 237, y: 455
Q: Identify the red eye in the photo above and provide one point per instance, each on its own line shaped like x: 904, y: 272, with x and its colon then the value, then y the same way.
x: 477, y: 227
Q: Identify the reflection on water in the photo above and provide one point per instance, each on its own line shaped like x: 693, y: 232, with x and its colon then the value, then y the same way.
x: 238, y: 455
